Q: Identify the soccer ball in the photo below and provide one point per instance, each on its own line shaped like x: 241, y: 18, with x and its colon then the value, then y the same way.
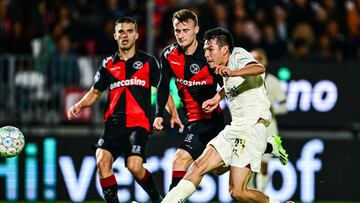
x: 12, y: 141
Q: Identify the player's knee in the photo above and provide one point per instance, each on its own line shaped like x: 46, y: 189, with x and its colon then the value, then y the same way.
x: 198, y: 168
x: 181, y: 160
x: 104, y: 165
x: 134, y: 167
x: 239, y: 194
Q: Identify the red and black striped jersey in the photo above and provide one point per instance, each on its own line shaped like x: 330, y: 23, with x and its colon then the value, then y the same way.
x: 195, y: 81
x: 129, y: 83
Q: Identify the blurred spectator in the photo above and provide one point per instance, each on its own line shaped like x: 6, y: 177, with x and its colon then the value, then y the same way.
x: 105, y: 42
x: 281, y: 23
x: 302, y: 41
x: 239, y: 10
x: 221, y: 16
x: 300, y: 12
x: 18, y: 41
x: 62, y: 70
x: 253, y: 22
x: 336, y: 38
x: 48, y: 41
x: 353, y: 22
x: 272, y: 45
x: 252, y: 32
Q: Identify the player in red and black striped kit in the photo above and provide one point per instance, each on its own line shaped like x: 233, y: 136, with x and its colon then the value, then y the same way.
x: 196, y: 83
x: 129, y: 75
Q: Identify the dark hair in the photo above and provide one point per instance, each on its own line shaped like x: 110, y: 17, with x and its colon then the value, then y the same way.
x: 223, y: 37
x: 126, y: 19
x: 185, y: 15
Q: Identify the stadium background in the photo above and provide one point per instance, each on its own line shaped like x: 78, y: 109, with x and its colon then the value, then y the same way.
x: 50, y: 50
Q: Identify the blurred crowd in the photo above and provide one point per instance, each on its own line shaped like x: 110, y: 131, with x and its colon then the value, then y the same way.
x: 316, y: 30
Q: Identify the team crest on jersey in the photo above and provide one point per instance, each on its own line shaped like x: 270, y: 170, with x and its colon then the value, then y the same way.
x: 137, y: 65
x: 97, y: 77
x: 194, y: 68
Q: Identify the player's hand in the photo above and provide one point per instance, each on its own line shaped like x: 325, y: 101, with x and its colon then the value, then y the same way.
x: 157, y: 125
x: 73, y: 111
x: 176, y: 120
x: 209, y: 105
x: 223, y: 71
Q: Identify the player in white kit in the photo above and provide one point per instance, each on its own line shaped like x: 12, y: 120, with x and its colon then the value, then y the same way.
x: 241, y: 144
x: 277, y: 99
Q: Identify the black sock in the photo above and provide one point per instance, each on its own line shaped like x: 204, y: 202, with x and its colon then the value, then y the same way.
x: 147, y: 183
x: 110, y: 189
x: 268, y: 149
x: 176, y: 177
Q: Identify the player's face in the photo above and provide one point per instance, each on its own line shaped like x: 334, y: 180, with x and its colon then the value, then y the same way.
x: 214, y: 54
x: 125, y: 35
x: 259, y: 58
x: 185, y: 32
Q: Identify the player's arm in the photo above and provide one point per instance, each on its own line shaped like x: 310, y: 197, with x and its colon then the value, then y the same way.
x: 242, y: 63
x: 164, y: 98
x: 211, y: 104
x: 86, y: 101
x: 101, y: 82
x: 248, y: 70
x: 171, y: 109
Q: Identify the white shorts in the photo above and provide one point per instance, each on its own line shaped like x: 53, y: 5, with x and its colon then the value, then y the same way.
x: 241, y: 145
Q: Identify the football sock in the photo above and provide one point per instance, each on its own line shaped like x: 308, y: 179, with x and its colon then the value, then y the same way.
x: 147, y: 183
x: 179, y: 193
x: 261, y: 181
x: 269, y: 149
x: 110, y: 189
x: 176, y: 177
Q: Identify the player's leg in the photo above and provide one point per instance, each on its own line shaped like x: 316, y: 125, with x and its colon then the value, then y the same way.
x: 143, y: 177
x: 262, y: 178
x: 275, y: 148
x: 109, y: 147
x: 209, y: 160
x: 180, y: 163
x: 104, y: 161
x: 239, y: 178
x: 135, y: 157
x: 199, y: 134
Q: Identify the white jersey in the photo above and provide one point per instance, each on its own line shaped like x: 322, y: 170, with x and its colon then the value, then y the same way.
x: 247, y: 95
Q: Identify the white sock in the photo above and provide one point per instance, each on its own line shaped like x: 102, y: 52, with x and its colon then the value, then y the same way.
x: 273, y: 200
x: 179, y: 193
x: 261, y: 181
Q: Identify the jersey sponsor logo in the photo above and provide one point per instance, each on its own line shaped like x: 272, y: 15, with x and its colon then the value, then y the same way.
x: 129, y: 82
x: 194, y: 68
x: 97, y: 77
x: 137, y: 65
x: 190, y: 82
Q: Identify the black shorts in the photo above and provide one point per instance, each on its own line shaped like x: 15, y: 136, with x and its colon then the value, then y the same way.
x: 199, y: 134
x: 124, y: 141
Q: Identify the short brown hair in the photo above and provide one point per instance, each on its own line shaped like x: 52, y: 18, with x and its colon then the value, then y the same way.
x: 185, y: 15
x: 127, y: 19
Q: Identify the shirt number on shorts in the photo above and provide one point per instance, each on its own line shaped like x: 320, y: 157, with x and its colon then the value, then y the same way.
x: 136, y: 149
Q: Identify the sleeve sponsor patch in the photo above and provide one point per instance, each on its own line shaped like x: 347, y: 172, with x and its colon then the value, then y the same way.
x: 97, y: 77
